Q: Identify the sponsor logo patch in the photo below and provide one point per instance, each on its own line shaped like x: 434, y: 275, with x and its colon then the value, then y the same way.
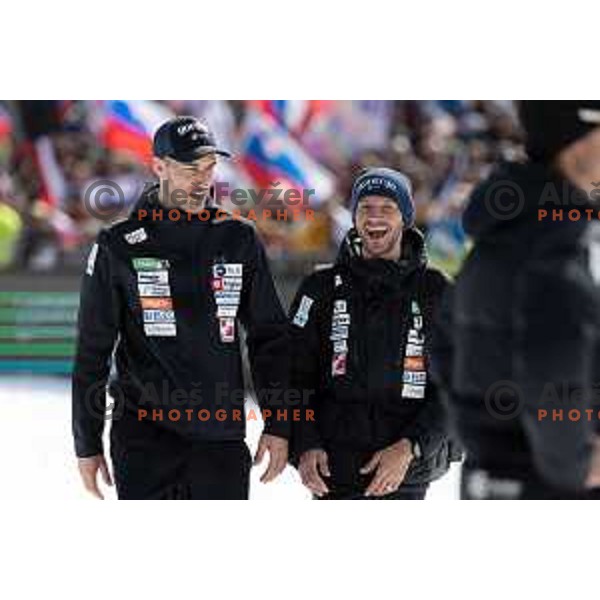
x: 157, y: 303
x: 160, y: 329
x: 148, y: 289
x: 303, y: 312
x: 150, y: 264
x: 155, y: 277
x: 137, y: 236
x: 413, y: 391
x: 159, y: 316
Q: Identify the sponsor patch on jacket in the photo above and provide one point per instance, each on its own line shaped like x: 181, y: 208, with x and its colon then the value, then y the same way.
x: 414, y: 350
x: 340, y: 346
x: 137, y: 236
x: 413, y: 391
x: 227, y: 311
x: 157, y: 303
x: 160, y: 329
x: 227, y: 329
x: 150, y: 264
x: 340, y: 306
x: 148, y: 289
x: 232, y: 298
x: 303, y: 312
x: 228, y: 270
x: 414, y: 363
x: 414, y: 377
x: 339, y: 364
x: 155, y: 277
x: 91, y: 261
x: 159, y: 316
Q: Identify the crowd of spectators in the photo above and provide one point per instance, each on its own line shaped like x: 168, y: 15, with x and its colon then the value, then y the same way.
x: 444, y: 147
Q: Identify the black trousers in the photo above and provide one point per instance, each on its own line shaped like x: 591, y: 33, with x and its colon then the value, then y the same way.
x: 347, y: 482
x: 404, y: 492
x: 153, y: 463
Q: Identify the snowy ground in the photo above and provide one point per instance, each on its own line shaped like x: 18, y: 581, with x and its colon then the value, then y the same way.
x: 36, y: 444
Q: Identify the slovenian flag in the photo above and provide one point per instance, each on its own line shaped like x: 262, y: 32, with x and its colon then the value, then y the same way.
x: 129, y: 125
x: 295, y: 115
x: 272, y: 157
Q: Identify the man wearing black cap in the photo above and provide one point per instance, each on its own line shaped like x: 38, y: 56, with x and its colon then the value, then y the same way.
x: 167, y: 291
x: 360, y: 342
x: 522, y: 366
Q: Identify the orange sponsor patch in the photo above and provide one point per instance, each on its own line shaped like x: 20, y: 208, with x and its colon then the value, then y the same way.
x: 157, y: 303
x: 414, y: 363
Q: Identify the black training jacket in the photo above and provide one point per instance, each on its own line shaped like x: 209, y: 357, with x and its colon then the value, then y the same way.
x: 525, y: 323
x: 168, y: 297
x: 360, y: 334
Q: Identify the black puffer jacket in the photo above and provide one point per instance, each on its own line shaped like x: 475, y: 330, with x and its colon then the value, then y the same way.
x: 525, y: 326
x: 361, y: 338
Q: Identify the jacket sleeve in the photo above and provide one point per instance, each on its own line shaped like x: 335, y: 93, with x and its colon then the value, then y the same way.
x: 98, y: 325
x: 307, y: 354
x: 555, y: 357
x: 431, y: 424
x: 268, y: 350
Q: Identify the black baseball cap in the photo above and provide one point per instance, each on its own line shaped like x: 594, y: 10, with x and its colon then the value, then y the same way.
x: 185, y: 139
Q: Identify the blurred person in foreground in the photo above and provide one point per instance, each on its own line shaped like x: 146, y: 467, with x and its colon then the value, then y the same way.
x: 167, y: 290
x: 525, y: 316
x: 361, y: 333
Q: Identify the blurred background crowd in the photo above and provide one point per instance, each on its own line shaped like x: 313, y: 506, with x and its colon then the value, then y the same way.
x: 52, y: 153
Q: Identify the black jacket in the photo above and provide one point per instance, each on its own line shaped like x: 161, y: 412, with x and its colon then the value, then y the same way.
x: 524, y: 329
x: 360, y: 337
x: 154, y: 287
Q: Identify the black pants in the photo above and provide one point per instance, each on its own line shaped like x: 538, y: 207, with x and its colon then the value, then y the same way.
x: 347, y: 482
x: 153, y: 463
x: 482, y: 484
x: 404, y: 492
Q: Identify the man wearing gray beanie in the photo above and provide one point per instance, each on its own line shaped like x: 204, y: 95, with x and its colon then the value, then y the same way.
x: 374, y: 426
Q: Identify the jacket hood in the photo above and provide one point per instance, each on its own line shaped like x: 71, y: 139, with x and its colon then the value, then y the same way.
x: 513, y: 194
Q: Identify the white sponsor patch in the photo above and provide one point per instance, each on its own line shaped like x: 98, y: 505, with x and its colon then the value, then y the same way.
x: 227, y: 311
x: 154, y: 277
x: 160, y: 329
x: 338, y: 280
x: 413, y: 391
x: 343, y: 319
x: 227, y: 298
x: 159, y: 316
x: 137, y: 236
x: 414, y: 350
x: 414, y: 337
x: 147, y: 289
x: 340, y: 306
x: 228, y: 270
x: 303, y: 312
x: 342, y: 330
x: 232, y: 284
x: 340, y: 347
x: 91, y: 261
x: 414, y: 377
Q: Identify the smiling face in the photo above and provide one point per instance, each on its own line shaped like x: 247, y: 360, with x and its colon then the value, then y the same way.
x: 379, y: 224
x: 188, y: 184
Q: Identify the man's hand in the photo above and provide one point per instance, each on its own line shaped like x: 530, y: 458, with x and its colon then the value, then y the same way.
x: 392, y: 464
x: 278, y: 455
x: 593, y: 478
x: 313, y: 466
x: 88, y: 469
